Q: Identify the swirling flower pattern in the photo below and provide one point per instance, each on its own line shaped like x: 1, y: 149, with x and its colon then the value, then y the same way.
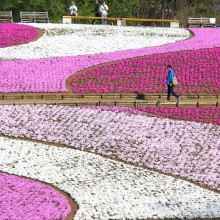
x: 50, y: 74
x: 106, y: 188
x: 181, y: 148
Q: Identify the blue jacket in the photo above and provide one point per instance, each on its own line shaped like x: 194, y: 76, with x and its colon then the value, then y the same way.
x: 170, y: 76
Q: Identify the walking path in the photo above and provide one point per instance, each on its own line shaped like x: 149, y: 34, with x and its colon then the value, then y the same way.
x: 114, y: 99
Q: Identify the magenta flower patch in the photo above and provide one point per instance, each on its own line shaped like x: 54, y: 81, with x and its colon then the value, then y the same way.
x: 197, y: 72
x: 15, y: 34
x: 209, y: 115
x: 26, y: 199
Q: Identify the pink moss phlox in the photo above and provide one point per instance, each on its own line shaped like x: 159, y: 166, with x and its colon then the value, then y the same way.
x: 197, y: 72
x: 26, y: 199
x: 12, y: 34
x: 209, y: 115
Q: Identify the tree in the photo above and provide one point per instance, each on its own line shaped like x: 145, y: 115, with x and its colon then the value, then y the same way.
x: 56, y: 8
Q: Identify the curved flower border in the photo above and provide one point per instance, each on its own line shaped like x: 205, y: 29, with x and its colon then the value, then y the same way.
x: 106, y: 189
x: 22, y: 198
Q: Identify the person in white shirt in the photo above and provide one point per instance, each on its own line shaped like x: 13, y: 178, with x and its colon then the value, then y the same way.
x: 73, y: 9
x: 104, y: 10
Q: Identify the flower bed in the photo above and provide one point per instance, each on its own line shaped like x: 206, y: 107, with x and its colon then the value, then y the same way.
x: 106, y: 189
x: 26, y: 199
x: 181, y: 148
x: 197, y: 72
x: 210, y: 115
x: 50, y: 74
x: 103, y: 188
x: 15, y: 34
x: 62, y: 40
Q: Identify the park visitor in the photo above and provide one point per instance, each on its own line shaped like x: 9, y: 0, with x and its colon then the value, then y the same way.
x: 104, y: 10
x: 170, y: 85
x: 73, y: 9
x: 97, y: 11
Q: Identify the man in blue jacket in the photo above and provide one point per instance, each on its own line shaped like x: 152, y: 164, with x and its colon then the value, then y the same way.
x: 169, y: 81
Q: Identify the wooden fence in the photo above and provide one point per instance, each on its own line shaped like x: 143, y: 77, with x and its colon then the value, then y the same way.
x: 120, y: 21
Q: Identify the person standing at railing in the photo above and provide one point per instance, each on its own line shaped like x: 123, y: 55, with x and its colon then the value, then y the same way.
x: 104, y: 10
x: 170, y: 84
x: 97, y: 11
x: 73, y: 9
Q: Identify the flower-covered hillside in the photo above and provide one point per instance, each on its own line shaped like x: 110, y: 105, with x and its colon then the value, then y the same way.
x: 106, y: 189
x: 50, y: 74
x: 59, y: 49
x: 116, y: 163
